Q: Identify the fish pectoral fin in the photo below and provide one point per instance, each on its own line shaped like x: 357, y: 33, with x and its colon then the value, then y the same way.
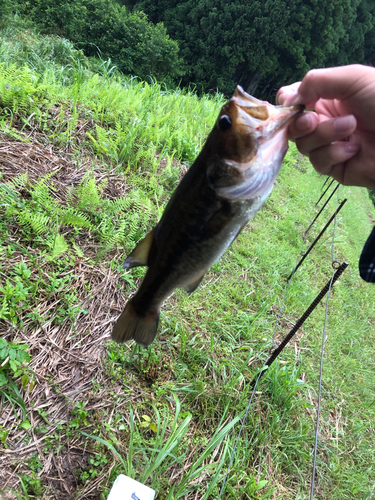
x: 194, y: 283
x: 140, y: 254
x: 241, y: 181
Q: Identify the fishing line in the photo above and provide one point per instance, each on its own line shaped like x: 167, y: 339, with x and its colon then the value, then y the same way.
x: 256, y: 383
x: 296, y: 267
x: 238, y: 436
x: 319, y: 395
x: 282, y: 307
x: 338, y: 270
x: 321, y: 366
x: 254, y: 388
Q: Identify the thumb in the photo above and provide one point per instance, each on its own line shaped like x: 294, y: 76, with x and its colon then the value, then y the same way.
x: 330, y: 83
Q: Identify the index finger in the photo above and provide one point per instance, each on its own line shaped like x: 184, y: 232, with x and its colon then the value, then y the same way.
x: 328, y: 83
x: 288, y: 91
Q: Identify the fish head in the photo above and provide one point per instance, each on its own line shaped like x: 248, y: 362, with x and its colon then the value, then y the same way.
x: 251, y: 141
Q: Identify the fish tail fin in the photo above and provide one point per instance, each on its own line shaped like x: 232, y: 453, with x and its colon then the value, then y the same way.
x: 132, y: 325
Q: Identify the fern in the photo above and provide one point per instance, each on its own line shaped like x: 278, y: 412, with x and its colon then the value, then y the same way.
x: 77, y: 250
x: 88, y: 194
x: 4, y: 311
x: 74, y: 218
x: 134, y: 202
x: 115, y: 206
x: 58, y: 246
x: 19, y: 89
x: 19, y: 182
x: 118, y: 223
x: 110, y: 235
x: 41, y: 192
x: 105, y: 142
x: 36, y: 222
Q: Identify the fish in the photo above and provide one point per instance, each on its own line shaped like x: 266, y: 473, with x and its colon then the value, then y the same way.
x: 223, y: 189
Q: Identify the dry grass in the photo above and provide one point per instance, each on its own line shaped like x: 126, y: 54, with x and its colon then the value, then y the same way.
x: 66, y: 358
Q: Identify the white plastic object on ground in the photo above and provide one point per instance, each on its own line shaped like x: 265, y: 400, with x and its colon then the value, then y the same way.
x: 125, y: 488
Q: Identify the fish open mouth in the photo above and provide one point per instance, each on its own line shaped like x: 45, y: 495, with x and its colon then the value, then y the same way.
x: 266, y: 124
x: 262, y: 116
x: 279, y: 118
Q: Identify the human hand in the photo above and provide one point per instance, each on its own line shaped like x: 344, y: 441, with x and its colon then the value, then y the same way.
x: 339, y: 135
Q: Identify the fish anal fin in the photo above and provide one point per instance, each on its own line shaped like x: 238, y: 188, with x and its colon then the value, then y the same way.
x: 194, y: 283
x: 140, y: 254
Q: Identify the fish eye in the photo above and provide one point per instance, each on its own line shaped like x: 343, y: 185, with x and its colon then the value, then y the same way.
x: 224, y: 122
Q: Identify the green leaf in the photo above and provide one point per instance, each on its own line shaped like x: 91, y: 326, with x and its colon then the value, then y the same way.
x: 25, y: 380
x: 4, y: 353
x: 261, y: 484
x: 13, y: 365
x: 25, y: 425
x: 59, y: 246
x: 21, y: 355
x: 3, y: 379
x: 154, y: 428
x: 3, y: 435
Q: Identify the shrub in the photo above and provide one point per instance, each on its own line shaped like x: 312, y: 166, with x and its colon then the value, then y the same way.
x: 103, y: 27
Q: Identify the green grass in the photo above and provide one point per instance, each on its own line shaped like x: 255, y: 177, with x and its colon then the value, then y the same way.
x: 110, y: 153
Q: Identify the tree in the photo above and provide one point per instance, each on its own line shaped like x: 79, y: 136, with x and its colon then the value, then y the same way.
x: 104, y: 27
x: 261, y: 44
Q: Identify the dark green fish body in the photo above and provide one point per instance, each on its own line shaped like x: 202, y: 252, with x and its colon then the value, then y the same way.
x: 223, y: 189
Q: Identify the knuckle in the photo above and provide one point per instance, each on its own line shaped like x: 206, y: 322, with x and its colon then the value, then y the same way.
x: 301, y: 146
x: 312, y: 73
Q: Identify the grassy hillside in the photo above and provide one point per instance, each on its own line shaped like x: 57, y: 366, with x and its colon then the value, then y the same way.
x: 87, y: 164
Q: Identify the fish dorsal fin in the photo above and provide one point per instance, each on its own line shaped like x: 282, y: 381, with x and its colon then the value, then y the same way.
x: 194, y: 283
x: 140, y: 254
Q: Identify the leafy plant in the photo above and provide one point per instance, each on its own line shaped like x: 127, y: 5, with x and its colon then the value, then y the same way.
x: 103, y: 26
x: 80, y: 415
x: 31, y: 484
x: 19, y: 90
x: 13, y: 363
x: 147, y: 423
x: 118, y: 222
x: 97, y: 462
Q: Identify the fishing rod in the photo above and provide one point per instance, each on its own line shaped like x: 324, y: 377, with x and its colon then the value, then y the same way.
x: 301, y: 320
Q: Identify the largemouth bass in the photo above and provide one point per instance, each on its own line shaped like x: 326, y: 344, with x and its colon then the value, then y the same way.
x: 223, y: 189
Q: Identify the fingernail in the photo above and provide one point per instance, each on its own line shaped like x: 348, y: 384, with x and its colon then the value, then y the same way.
x: 304, y: 122
x: 344, y: 123
x: 351, y: 147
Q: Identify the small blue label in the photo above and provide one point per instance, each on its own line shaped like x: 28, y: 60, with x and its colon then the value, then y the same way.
x: 134, y: 497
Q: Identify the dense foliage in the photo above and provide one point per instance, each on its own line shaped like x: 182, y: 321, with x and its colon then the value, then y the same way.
x: 103, y: 27
x: 263, y: 44
x: 260, y: 44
